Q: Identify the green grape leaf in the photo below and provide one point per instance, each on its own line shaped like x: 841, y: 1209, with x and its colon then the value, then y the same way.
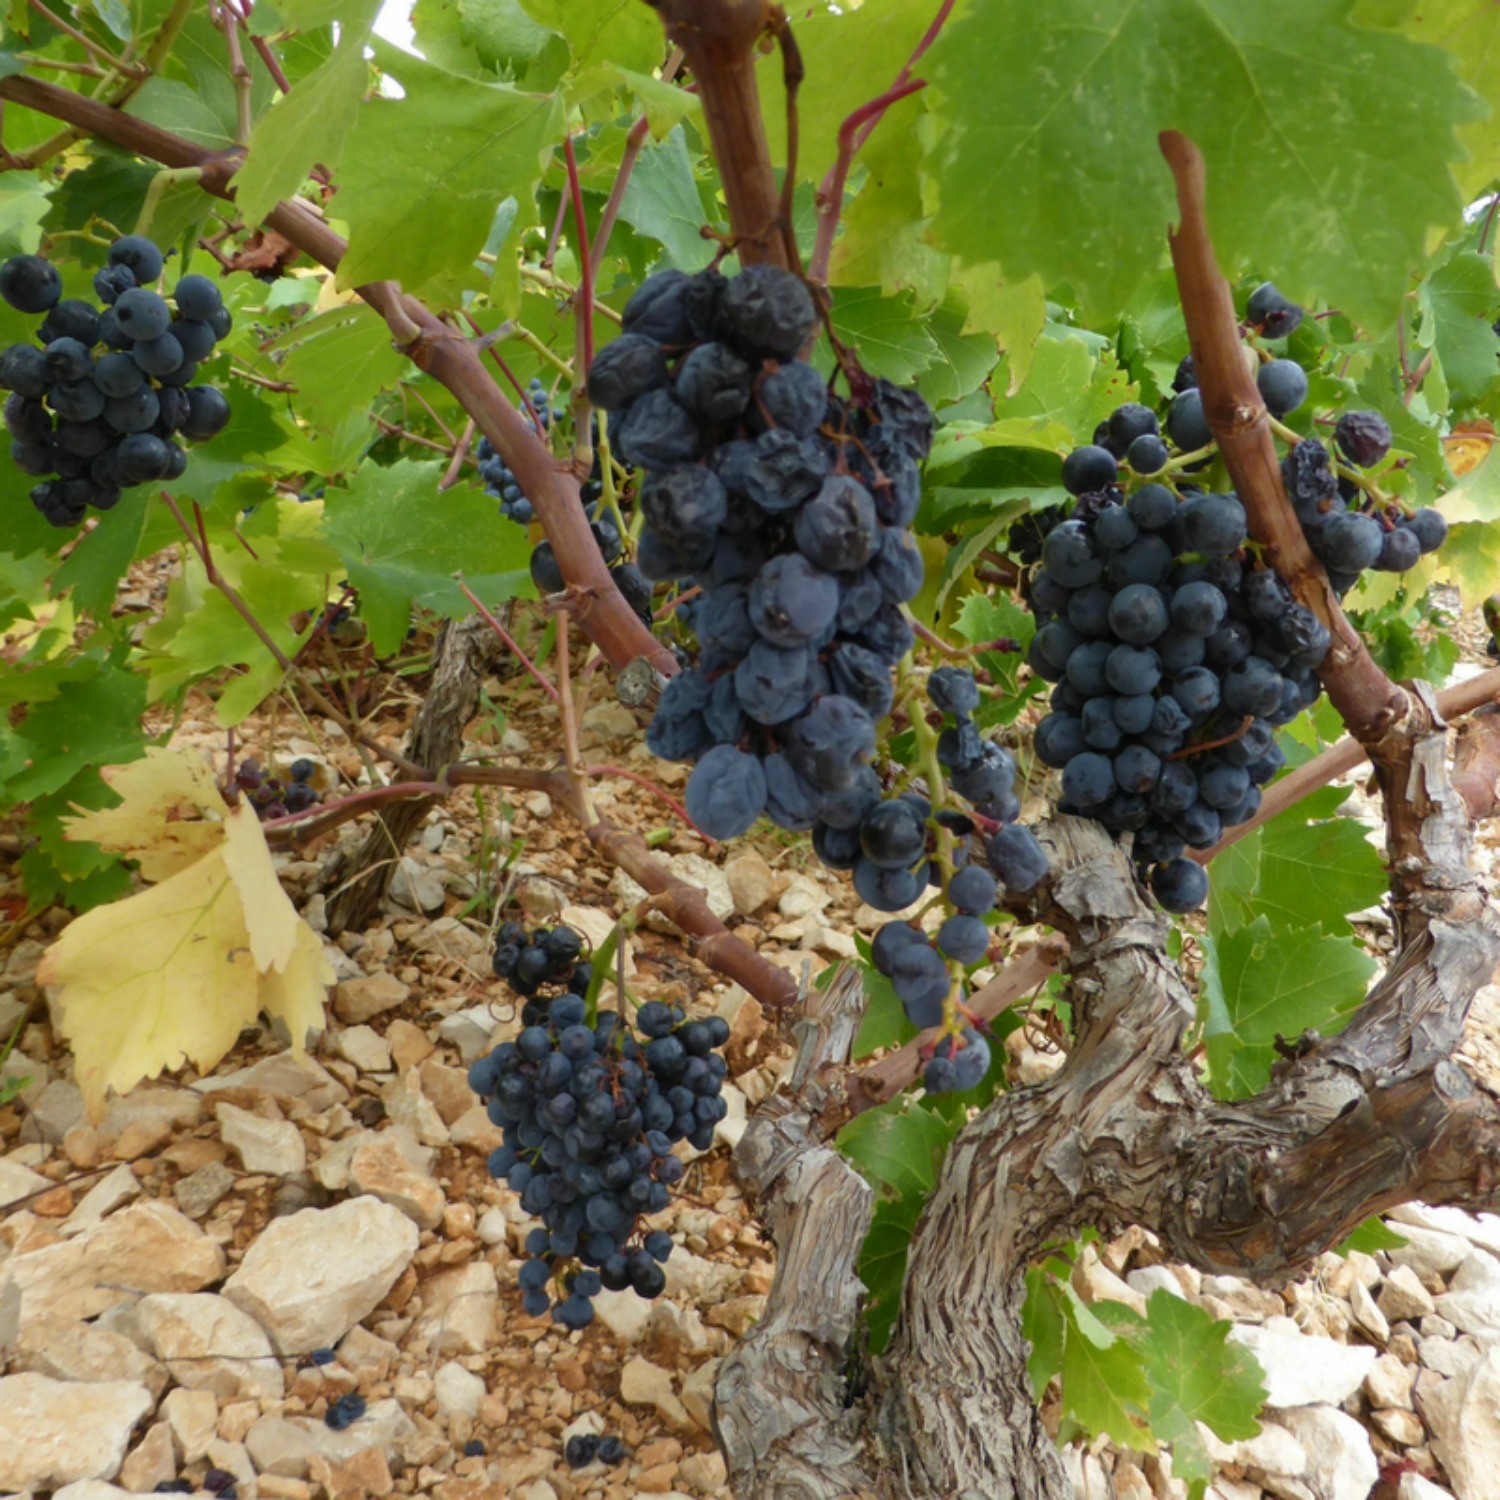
x: 402, y: 542
x: 1104, y: 1387
x: 112, y: 189
x: 339, y: 361
x: 75, y: 871
x: 1196, y: 1375
x: 1374, y: 1234
x: 661, y: 203
x: 1470, y: 558
x: 964, y: 360
x: 882, y: 230
x: 23, y: 585
x: 1044, y: 1325
x: 884, y: 1023
x: 1315, y: 869
x: 619, y: 31
x: 849, y: 56
x: 882, y: 1265
x: 885, y: 332
x: 92, y: 720
x: 1053, y: 112
x: 179, y: 107
x: 897, y: 1148
x: 311, y: 123
x: 1015, y: 312
x: 1470, y: 31
x: 1069, y: 390
x: 25, y: 198
x: 990, y: 617
x: 464, y: 147
x: 1259, y: 984
x: 97, y: 564
x: 1459, y: 302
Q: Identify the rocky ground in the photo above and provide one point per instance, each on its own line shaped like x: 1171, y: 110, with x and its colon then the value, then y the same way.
x: 171, y: 1275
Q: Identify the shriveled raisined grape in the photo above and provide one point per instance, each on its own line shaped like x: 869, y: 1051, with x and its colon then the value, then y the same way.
x: 1363, y: 437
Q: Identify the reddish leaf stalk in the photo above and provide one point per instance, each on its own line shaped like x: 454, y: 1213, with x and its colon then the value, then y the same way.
x: 489, y: 619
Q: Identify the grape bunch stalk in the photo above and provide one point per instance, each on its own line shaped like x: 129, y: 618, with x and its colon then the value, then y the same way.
x: 105, y: 399
x: 790, y: 507
x: 1175, y: 651
x: 590, y: 1111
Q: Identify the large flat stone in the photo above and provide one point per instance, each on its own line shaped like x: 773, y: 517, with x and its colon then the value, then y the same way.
x: 313, y: 1275
x: 53, y: 1432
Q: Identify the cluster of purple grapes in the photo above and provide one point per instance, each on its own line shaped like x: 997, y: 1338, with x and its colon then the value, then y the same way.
x: 788, y: 507
x: 270, y: 796
x: 590, y: 1112
x: 1175, y: 655
x: 1348, y: 529
x: 98, y: 405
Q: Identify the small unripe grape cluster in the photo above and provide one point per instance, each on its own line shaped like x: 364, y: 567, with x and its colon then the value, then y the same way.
x: 270, y: 796
x: 590, y: 1111
x: 105, y: 400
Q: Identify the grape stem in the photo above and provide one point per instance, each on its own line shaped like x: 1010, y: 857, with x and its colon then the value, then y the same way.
x: 1369, y: 703
x: 853, y: 133
x: 99, y: 54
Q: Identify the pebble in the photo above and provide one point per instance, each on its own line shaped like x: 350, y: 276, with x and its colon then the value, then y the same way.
x: 1300, y: 1368
x: 151, y: 1461
x: 357, y: 1000
x: 645, y: 1384
x: 364, y: 1048
x: 1341, y: 1464
x: 1403, y: 1298
x: 752, y: 883
x: 459, y: 1310
x: 273, y: 1148
x: 416, y: 887
x: 379, y: 1169
x: 458, y: 1391
x: 311, y: 1276
x: 193, y: 1417
x: 106, y: 1195
x: 200, y: 1191
x: 1463, y: 1415
x: 52, y: 1432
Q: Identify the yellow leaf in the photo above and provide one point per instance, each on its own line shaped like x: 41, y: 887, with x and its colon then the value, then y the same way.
x: 175, y: 972
x: 162, y: 978
x: 271, y: 918
x: 147, y: 825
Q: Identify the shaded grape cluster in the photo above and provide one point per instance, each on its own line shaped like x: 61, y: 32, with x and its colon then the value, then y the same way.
x: 927, y: 972
x: 546, y: 573
x: 104, y: 400
x: 788, y: 507
x: 270, y: 796
x: 590, y: 1112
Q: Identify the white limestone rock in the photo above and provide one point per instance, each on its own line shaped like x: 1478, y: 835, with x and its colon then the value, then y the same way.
x: 311, y: 1276
x: 53, y: 1432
